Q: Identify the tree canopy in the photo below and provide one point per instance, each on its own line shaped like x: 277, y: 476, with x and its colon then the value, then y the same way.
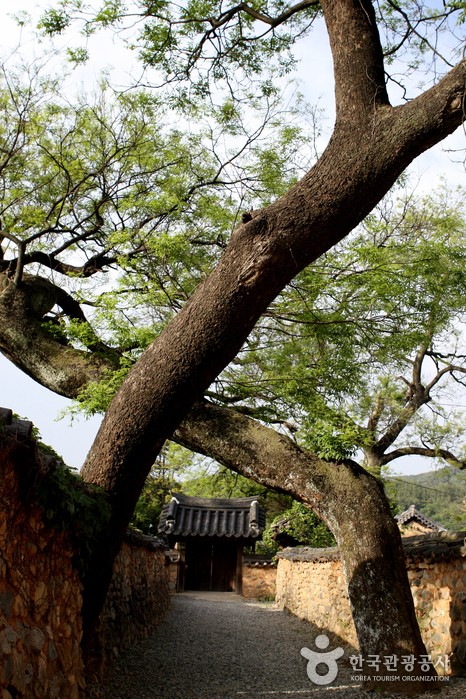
x: 102, y: 199
x: 361, y: 351
x: 210, y: 45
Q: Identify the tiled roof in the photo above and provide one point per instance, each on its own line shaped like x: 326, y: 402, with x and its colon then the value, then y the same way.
x: 413, y: 514
x: 278, y: 526
x: 438, y: 545
x: 190, y: 516
x: 259, y: 560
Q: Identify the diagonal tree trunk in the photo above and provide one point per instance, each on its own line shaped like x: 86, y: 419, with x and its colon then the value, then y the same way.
x: 361, y: 162
x: 353, y: 505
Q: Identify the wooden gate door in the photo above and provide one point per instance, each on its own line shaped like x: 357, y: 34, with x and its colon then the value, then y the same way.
x: 212, y: 566
x: 198, y: 564
x: 223, y: 566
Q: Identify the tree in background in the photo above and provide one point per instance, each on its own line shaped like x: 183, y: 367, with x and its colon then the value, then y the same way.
x: 297, y: 526
x: 170, y: 465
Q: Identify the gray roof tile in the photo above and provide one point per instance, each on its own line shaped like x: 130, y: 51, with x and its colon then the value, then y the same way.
x: 412, y: 513
x: 186, y: 516
x: 438, y: 545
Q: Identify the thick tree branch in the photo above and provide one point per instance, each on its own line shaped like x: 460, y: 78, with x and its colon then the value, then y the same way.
x: 417, y: 370
x: 376, y: 414
x: 260, y: 16
x: 94, y: 264
x: 35, y: 351
x: 418, y: 397
x: 20, y: 264
x: 422, y: 451
x: 357, y: 59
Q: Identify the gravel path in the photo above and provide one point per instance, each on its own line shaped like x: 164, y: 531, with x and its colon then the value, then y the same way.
x: 207, y: 649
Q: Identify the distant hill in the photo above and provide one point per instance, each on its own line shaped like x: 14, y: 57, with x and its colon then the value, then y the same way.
x: 437, y: 494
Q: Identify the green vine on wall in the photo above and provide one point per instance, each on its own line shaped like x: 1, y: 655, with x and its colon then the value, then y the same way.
x: 70, y: 505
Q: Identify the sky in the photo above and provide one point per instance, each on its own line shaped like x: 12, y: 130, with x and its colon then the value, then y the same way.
x: 27, y: 398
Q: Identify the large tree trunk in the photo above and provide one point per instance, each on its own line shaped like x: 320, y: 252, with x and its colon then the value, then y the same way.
x: 361, y: 163
x: 353, y: 505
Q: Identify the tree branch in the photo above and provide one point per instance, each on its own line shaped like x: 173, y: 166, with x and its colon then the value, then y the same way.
x: 376, y: 414
x: 276, y: 21
x: 55, y: 365
x: 357, y: 59
x: 417, y: 397
x: 20, y: 264
x: 422, y: 451
x: 93, y: 265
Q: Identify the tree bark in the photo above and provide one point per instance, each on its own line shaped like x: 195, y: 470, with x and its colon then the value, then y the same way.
x: 361, y: 162
x: 24, y: 341
x: 352, y: 504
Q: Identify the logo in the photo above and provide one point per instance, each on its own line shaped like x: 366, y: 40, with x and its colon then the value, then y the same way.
x: 329, y: 659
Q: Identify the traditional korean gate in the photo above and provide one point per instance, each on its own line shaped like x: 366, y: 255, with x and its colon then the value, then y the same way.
x: 211, y: 566
x: 212, y: 532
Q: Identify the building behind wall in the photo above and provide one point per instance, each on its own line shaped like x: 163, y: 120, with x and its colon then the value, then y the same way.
x: 413, y: 522
x: 209, y: 535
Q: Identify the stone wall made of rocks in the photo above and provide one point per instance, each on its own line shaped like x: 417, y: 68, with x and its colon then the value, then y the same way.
x: 310, y: 584
x: 259, y: 581
x: 137, y: 600
x: 40, y: 589
x: 315, y: 590
x: 439, y: 591
x: 40, y: 598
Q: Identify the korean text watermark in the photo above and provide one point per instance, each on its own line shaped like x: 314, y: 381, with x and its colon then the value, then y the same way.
x: 364, y: 668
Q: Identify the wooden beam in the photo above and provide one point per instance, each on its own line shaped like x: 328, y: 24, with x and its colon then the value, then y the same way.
x: 239, y: 569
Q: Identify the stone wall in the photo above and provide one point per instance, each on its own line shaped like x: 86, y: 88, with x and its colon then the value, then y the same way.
x: 439, y: 590
x: 137, y: 599
x: 259, y: 581
x: 259, y: 576
x: 40, y: 589
x: 40, y: 594
x: 315, y: 589
x: 310, y: 584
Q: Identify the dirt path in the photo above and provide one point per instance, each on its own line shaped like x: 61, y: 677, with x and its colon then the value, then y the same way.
x: 225, y: 648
